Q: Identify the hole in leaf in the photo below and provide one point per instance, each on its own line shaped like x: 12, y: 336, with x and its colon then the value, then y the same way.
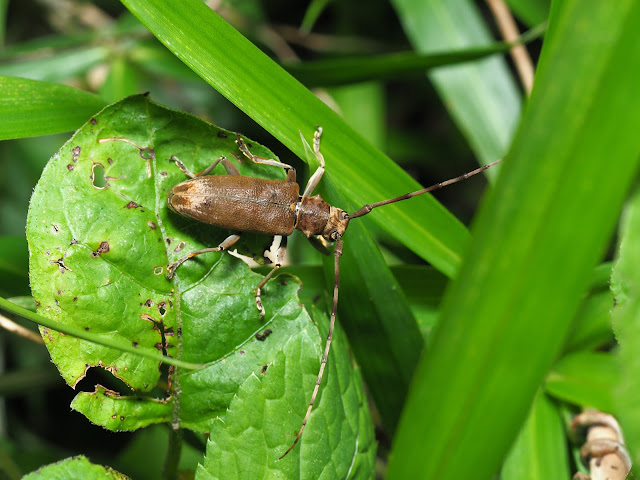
x: 97, y: 176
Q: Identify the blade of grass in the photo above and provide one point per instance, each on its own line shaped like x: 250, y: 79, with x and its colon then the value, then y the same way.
x: 541, y: 448
x: 531, y: 12
x: 30, y: 108
x: 340, y: 71
x: 538, y: 236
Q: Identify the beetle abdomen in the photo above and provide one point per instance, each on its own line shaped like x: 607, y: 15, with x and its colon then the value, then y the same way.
x: 238, y: 203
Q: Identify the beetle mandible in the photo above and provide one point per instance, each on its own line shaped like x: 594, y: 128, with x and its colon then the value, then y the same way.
x: 273, y: 207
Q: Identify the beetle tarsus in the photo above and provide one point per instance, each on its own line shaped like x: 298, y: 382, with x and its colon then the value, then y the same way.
x: 259, y: 301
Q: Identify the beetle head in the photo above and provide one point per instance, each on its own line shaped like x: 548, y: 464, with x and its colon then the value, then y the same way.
x: 336, y: 225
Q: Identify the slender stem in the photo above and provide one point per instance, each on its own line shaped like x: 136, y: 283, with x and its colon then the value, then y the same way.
x: 509, y: 31
x: 172, y: 460
x: 82, y: 334
x: 19, y: 330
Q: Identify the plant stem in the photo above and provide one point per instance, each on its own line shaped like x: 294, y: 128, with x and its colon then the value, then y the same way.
x: 100, y: 340
x: 171, y: 461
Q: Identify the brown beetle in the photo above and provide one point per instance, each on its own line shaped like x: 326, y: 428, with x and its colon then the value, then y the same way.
x: 272, y: 207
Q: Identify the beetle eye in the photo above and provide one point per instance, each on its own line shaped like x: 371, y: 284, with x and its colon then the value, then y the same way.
x: 334, y: 235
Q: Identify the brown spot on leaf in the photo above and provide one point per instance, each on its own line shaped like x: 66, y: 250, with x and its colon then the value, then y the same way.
x: 75, y: 299
x: 263, y: 336
x: 169, y: 332
x: 263, y: 370
x: 61, y: 266
x: 158, y: 270
x: 56, y: 228
x: 73, y: 241
x: 148, y: 318
x: 134, y: 344
x: 93, y: 121
x: 76, y: 153
x: 132, y: 205
x: 121, y: 419
x: 69, y: 167
x: 151, y: 225
x: 221, y: 134
x: 162, y: 308
x: 148, y: 303
x: 110, y: 161
x: 180, y: 246
x: 241, y: 352
x: 102, y: 248
x: 158, y: 346
x: 147, y: 153
x: 164, y: 174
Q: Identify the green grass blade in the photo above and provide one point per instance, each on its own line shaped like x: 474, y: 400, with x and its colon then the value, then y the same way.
x: 585, y: 378
x: 30, y: 108
x: 339, y: 71
x: 532, y: 12
x: 540, y: 451
x: 539, y: 234
x: 275, y: 100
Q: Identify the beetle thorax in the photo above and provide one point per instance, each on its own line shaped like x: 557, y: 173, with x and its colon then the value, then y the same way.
x: 314, y: 216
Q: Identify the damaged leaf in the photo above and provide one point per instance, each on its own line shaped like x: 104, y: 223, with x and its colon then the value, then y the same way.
x: 100, y: 238
x: 75, y: 468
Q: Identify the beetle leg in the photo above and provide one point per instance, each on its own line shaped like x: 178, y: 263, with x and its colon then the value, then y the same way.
x: 282, y: 250
x: 255, y: 159
x: 228, y: 242
x: 317, y: 175
x: 206, y: 171
x: 229, y: 167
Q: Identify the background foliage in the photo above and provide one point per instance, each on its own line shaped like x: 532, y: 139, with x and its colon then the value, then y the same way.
x: 524, y: 326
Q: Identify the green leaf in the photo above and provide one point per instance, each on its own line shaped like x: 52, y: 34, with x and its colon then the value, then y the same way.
x: 587, y: 379
x: 592, y: 327
x: 537, y: 238
x: 29, y: 108
x: 98, y: 257
x: 625, y: 284
x: 239, y: 445
x: 540, y: 451
x: 76, y: 468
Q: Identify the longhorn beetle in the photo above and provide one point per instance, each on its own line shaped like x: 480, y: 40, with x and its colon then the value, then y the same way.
x: 273, y: 207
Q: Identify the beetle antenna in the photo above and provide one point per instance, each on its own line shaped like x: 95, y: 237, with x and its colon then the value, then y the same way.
x: 337, y: 253
x: 367, y: 208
